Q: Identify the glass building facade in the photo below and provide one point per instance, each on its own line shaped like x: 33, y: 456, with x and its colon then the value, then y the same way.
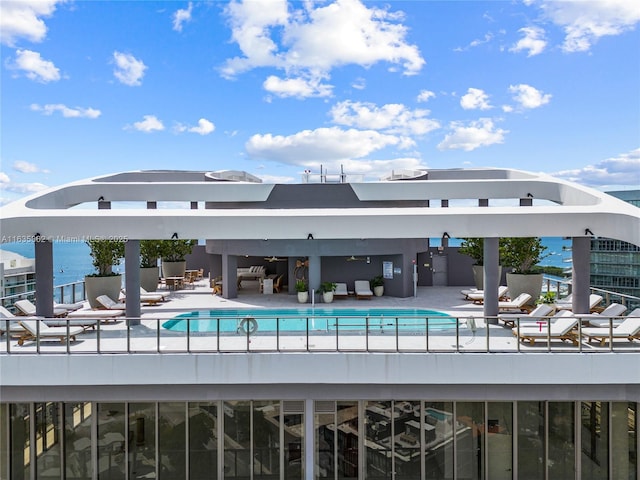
x: 363, y: 439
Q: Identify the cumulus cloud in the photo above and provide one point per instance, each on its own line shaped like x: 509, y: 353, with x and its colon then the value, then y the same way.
x: 182, y: 16
x: 129, y: 70
x: 150, y: 123
x: 297, y: 87
x: 27, y: 167
x: 67, y: 112
x: 4, y: 178
x: 586, y: 22
x: 204, y: 127
x: 475, y: 99
x: 309, y: 41
x: 320, y: 145
x: 529, y: 97
x: 390, y: 118
x: 532, y: 41
x: 621, y: 170
x: 425, y: 95
x: 479, y: 133
x: 476, y: 43
x: 15, y: 187
x: 35, y: 67
x: 23, y: 19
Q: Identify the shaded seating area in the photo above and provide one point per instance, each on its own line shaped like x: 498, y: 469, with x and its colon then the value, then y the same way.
x: 362, y: 289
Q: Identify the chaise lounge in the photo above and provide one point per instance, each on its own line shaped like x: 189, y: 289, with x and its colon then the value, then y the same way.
x: 341, y: 291
x: 561, y: 329
x: 37, y: 329
x: 510, y: 319
x: 517, y: 304
x: 363, y: 290
x: 629, y: 329
x: 28, y: 309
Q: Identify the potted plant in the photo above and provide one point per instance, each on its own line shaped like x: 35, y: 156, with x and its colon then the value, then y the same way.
x: 474, y: 248
x: 303, y: 291
x: 105, y: 254
x: 173, y: 254
x: 149, y: 274
x: 522, y: 254
x: 377, y: 285
x: 327, y: 289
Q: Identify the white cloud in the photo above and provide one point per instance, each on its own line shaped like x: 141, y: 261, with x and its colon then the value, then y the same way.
x: 309, y: 42
x: 27, y: 167
x: 425, y: 95
x: 68, y: 112
x: 205, y: 127
x: 322, y: 145
x: 586, y: 22
x: 4, y: 178
x: 391, y: 118
x: 182, y: 16
x: 479, y: 133
x: 297, y: 87
x: 148, y: 125
x: 533, y: 41
x: 476, y: 43
x: 129, y: 70
x: 474, y: 99
x: 359, y: 83
x: 621, y: 170
x: 10, y: 186
x: 35, y: 66
x: 23, y: 19
x: 528, y: 96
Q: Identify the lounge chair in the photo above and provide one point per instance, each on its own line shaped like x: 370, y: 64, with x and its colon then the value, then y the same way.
x: 107, y: 303
x: 517, y: 303
x: 9, y: 323
x: 510, y: 319
x: 561, y: 329
x: 70, y: 307
x: 28, y: 309
x: 477, y: 296
x: 629, y: 329
x: 605, y: 318
x: 277, y: 284
x: 164, y: 295
x: 98, y: 315
x: 73, y: 319
x: 363, y: 289
x: 566, y: 303
x: 34, y: 329
x: 341, y: 291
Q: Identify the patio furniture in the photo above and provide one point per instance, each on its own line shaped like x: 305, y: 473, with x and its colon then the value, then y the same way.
x: 27, y: 308
x: 510, y: 319
x: 341, y: 291
x: 561, y: 329
x: 477, y: 296
x: 629, y: 329
x: 37, y: 329
x: 605, y: 318
x: 517, y: 303
x: 566, y: 303
x: 363, y: 289
x: 107, y: 303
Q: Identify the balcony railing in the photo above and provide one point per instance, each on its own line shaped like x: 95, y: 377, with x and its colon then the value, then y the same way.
x: 309, y: 334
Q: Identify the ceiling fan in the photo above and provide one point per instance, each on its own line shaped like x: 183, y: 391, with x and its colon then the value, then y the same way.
x: 275, y: 259
x: 355, y: 259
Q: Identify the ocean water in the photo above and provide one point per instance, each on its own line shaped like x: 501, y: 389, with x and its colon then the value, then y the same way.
x: 72, y: 261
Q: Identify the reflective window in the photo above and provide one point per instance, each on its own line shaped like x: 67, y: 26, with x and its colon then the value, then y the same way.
x: 171, y: 441
x: 294, y: 445
x: 470, y: 440
x: 595, y: 440
x: 406, y: 439
x: 203, y: 441
x: 20, y: 432
x: 266, y: 440
x: 438, y: 440
x: 347, y: 439
x: 142, y: 440
x: 624, y: 440
x: 499, y: 434
x: 77, y: 438
x: 48, y: 448
x: 531, y: 446
x: 111, y: 441
x: 562, y: 446
x: 237, y: 439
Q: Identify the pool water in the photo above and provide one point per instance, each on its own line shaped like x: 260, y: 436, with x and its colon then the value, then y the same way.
x: 318, y: 319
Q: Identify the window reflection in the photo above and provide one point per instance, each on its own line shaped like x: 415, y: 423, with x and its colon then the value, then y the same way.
x: 111, y: 441
x: 438, y: 438
x: 203, y: 441
x: 77, y: 438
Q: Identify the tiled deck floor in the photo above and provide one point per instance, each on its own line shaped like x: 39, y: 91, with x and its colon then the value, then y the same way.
x: 146, y: 338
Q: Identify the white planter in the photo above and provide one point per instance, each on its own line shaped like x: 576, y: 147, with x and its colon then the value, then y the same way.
x: 173, y: 269
x: 303, y: 297
x: 96, y: 286
x: 378, y: 291
x: 149, y: 278
x: 327, y: 297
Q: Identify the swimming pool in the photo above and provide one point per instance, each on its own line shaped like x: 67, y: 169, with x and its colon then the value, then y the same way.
x: 311, y: 319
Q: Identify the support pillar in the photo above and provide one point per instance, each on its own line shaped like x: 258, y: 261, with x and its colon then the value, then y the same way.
x: 132, y: 280
x: 580, y: 278
x: 229, y: 276
x: 315, y: 273
x: 44, y: 277
x: 309, y: 435
x: 491, y: 278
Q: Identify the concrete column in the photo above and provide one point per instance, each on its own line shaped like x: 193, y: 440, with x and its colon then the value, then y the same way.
x: 581, y: 257
x: 132, y: 280
x: 315, y: 273
x: 491, y: 277
x: 229, y: 276
x: 309, y: 447
x: 44, y: 278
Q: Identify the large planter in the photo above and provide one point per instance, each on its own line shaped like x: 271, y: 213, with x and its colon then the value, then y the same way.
x: 149, y: 278
x: 531, y: 284
x: 327, y: 297
x: 478, y: 276
x: 173, y: 269
x: 303, y: 297
x: 96, y: 286
x: 378, y: 291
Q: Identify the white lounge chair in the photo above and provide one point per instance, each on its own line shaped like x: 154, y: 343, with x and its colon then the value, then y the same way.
x: 605, y: 318
x: 629, y: 329
x: 164, y: 295
x: 517, y: 303
x: 562, y: 329
x: 341, y: 291
x: 477, y: 296
x: 108, y: 303
x: 363, y: 289
x: 147, y: 298
x: 70, y: 307
x: 28, y: 309
x: 9, y: 323
x: 510, y: 319
x: 566, y: 303
x: 96, y: 315
x: 37, y: 329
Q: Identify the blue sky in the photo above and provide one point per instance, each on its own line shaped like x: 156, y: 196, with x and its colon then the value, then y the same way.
x: 276, y: 88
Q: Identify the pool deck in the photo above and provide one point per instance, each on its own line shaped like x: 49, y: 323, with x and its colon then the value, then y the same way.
x: 148, y: 338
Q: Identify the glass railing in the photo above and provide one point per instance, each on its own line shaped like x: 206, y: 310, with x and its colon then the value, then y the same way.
x: 317, y: 334
x: 66, y: 293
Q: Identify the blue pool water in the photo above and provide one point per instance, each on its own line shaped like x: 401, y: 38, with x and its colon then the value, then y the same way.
x: 318, y: 319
